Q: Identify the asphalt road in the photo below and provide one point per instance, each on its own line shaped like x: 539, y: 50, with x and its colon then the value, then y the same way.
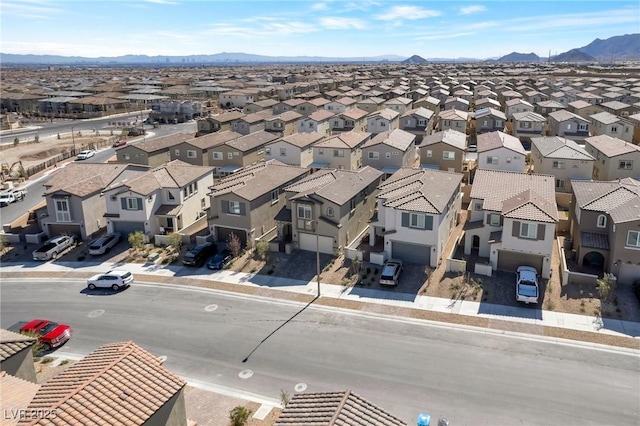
x: 405, y: 366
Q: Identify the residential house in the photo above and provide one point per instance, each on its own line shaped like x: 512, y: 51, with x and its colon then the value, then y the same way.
x: 382, y: 121
x: 235, y: 154
x: 172, y: 196
x: 354, y: 119
x: 583, y: 109
x: 456, y: 103
x: 562, y: 158
x: 238, y: 98
x: 487, y: 103
x: 453, y: 119
x: 489, y: 120
x: 197, y: 151
x: 123, y: 385
x: 561, y: 97
x: 568, y: 125
x: 443, y: 151
x: 418, y: 121
x: 295, y: 149
x: 528, y: 124
x: 16, y: 357
x: 615, y: 158
x: 605, y: 123
x: 417, y: 210
x: 517, y: 105
x: 371, y: 104
x: 151, y: 152
x: 512, y: 220
x: 389, y: 151
x: 399, y: 104
x: 74, y: 201
x: 247, y: 202
x: 340, y: 105
x: 283, y: 124
x: 621, y: 109
x: 544, y: 108
x: 605, y: 227
x: 428, y: 102
x: 263, y: 105
x: 500, y: 151
x: 251, y: 123
x: 287, y: 105
x: 342, y: 151
x: 635, y: 120
x: 330, y: 208
x: 534, y: 96
x: 311, y: 106
x: 319, y: 121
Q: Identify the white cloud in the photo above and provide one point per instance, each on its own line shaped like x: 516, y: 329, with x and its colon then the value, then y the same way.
x: 407, y: 12
x: 337, y: 23
x: 443, y: 36
x: 468, y: 10
x: 32, y: 10
x: 288, y: 28
x: 362, y: 5
x: 169, y: 2
x: 319, y: 6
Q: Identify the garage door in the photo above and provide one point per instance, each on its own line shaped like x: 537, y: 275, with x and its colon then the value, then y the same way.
x: 223, y: 234
x: 56, y: 229
x: 411, y: 253
x: 628, y: 273
x: 509, y: 261
x: 126, y: 228
x: 308, y: 242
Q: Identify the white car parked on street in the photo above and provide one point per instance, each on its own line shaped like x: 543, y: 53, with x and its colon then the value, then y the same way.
x: 112, y: 279
x: 83, y: 155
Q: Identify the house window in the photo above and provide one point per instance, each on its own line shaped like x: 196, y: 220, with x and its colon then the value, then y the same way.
x: 62, y: 211
x: 267, y: 151
x: 582, y: 127
x: 429, y: 153
x: 388, y: 154
x: 633, y: 239
x: 352, y: 204
x: 498, y: 123
x: 217, y: 155
x: 383, y: 124
x: 338, y: 153
x: 416, y: 221
x: 234, y: 207
x: 177, y: 152
x: 448, y: 155
x: 420, y: 123
x: 330, y: 211
x: 320, y: 151
x: 485, y: 123
x: 602, y: 221
x: 625, y: 164
x: 447, y: 122
x: 494, y: 219
x: 170, y: 196
x: 230, y: 155
x: 274, y: 196
x: 202, y: 204
x: 131, y: 203
x: 508, y: 160
x: 126, y: 156
x: 614, y: 129
x: 277, y: 125
x: 524, y: 125
x: 529, y: 230
x: 191, y: 154
x: 559, y: 183
x: 492, y: 160
x: 374, y: 155
x: 304, y: 212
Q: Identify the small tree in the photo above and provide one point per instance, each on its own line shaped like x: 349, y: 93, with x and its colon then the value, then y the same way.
x: 239, y: 415
x: 262, y: 250
x: 58, y: 135
x: 234, y: 244
x: 356, y: 264
x: 284, y: 397
x: 175, y: 240
x: 606, y: 287
x: 21, y: 172
x: 16, y: 141
x: 136, y: 240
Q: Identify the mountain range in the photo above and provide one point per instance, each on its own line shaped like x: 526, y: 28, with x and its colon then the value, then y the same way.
x: 618, y: 48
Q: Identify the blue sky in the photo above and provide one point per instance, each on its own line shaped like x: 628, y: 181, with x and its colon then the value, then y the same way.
x: 479, y: 29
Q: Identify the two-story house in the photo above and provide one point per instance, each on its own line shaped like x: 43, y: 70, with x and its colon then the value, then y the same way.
x: 247, y: 202
x: 615, y: 158
x: 353, y: 119
x: 73, y: 195
x: 151, y: 152
x: 342, y: 151
x: 399, y: 104
x: 605, y: 227
x: 489, y: 120
x: 217, y: 123
x: 251, y: 123
x: 569, y: 125
x: 310, y: 106
x: 235, y: 154
x: 443, y: 151
x: 340, y: 105
x: 383, y: 121
x: 197, y: 151
x: 295, y: 149
x: 284, y: 124
x: 517, y: 105
x: 417, y: 210
x: 512, y: 220
x: 319, y: 121
x: 544, y: 108
x: 418, y: 121
x: 263, y: 105
x: 429, y: 103
x: 173, y: 196
x: 389, y: 151
x: 330, y: 208
x: 456, y: 103
x: 605, y: 123
x: 562, y: 158
x: 453, y: 119
x: 371, y: 104
x: 500, y: 151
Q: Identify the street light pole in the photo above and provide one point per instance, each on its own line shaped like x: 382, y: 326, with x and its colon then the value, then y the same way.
x: 73, y: 139
x: 318, y: 255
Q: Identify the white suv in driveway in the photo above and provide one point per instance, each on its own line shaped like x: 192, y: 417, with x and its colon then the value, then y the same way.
x: 112, y: 279
x: 391, y: 272
x: 527, y: 289
x: 103, y: 244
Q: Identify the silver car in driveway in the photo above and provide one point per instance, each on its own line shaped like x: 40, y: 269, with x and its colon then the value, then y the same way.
x: 391, y: 272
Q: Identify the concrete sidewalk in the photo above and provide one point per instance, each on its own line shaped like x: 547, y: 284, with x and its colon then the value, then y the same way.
x: 524, y: 315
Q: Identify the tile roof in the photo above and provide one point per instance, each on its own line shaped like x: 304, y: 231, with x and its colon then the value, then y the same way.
x: 526, y: 195
x: 564, y: 115
x: 337, y: 186
x: 396, y: 138
x: 84, y: 179
x: 620, y: 199
x: 161, y: 143
x: 257, y: 117
x: 449, y: 137
x: 354, y: 113
x: 254, y: 181
x: 211, y: 140
x: 302, y: 140
x: 385, y: 113
x: 557, y: 147
x: 611, y: 147
x: 11, y: 343
x: 420, y: 190
x: 348, y: 140
x: 252, y: 140
x: 319, y: 115
x: 419, y: 112
x: 488, y: 111
x: 174, y: 174
x: 453, y: 114
x: 285, y: 116
x: 498, y: 139
x: 16, y: 395
x: 117, y: 384
x: 334, y: 409
x: 605, y: 117
x: 528, y: 116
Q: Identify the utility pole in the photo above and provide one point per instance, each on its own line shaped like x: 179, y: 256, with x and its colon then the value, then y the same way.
x: 318, y: 255
x: 73, y: 138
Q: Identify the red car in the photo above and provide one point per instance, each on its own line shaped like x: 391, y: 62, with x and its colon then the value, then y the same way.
x: 119, y: 142
x: 50, y: 334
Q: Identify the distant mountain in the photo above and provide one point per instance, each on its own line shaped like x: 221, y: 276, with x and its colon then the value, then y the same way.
x: 415, y: 59
x: 619, y: 48
x: 520, y: 57
x: 573, y: 55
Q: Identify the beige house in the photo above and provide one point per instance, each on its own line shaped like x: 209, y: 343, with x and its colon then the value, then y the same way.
x: 263, y: 105
x: 527, y: 125
x: 443, y: 151
x: 295, y: 149
x: 153, y: 152
x: 428, y: 102
x: 342, y: 151
x: 319, y: 121
x: 500, y: 151
x: 330, y: 208
x: 284, y: 124
x: 353, y: 119
x: 418, y: 121
x: 400, y: 104
x: 235, y: 154
x: 198, y: 151
x: 489, y: 120
x: 562, y: 158
x: 251, y: 123
x: 569, y: 125
x: 453, y: 119
x: 605, y: 123
x: 390, y: 151
x: 247, y: 202
x: 383, y: 121
x: 371, y: 104
x: 217, y: 123
x: 615, y: 158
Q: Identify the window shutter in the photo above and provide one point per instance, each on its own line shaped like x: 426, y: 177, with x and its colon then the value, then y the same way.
x: 123, y: 203
x: 225, y: 206
x: 405, y: 220
x: 243, y: 209
x: 515, y: 230
x: 139, y: 203
x: 541, y: 229
x: 488, y: 219
x: 428, y: 222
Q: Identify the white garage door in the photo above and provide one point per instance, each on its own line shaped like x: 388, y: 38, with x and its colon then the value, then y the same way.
x: 308, y: 242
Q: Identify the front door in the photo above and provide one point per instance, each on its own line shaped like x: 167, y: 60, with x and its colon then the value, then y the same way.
x: 169, y: 224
